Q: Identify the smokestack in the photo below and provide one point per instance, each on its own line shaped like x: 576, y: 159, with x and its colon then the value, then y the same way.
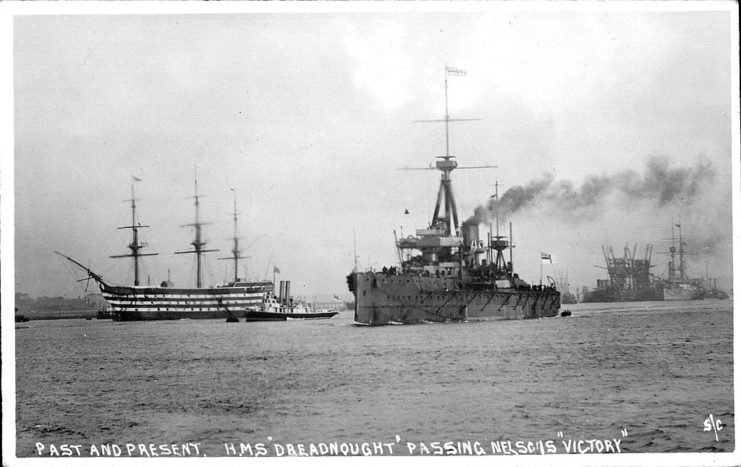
x: 288, y: 291
x: 282, y: 291
x: 470, y: 234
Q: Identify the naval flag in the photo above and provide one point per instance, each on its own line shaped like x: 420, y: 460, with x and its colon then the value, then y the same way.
x: 545, y: 258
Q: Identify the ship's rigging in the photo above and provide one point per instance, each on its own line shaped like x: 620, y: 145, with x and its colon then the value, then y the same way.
x: 135, y: 244
x: 236, y: 253
x: 199, y: 245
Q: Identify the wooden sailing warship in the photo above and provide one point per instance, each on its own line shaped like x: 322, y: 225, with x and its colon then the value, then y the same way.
x: 137, y: 302
x: 454, y: 275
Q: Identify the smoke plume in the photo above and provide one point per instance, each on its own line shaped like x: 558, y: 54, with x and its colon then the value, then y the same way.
x: 660, y: 184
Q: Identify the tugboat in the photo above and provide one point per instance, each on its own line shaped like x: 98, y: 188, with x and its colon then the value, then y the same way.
x: 446, y: 272
x: 165, y: 302
x: 283, y: 308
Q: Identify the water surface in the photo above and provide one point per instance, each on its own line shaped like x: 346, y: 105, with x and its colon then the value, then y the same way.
x: 648, y: 374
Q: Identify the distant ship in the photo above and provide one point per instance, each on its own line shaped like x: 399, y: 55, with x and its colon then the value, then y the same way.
x: 712, y: 290
x: 283, y: 307
x: 562, y: 283
x: 629, y: 278
x: 454, y: 275
x: 678, y: 286
x: 164, y: 302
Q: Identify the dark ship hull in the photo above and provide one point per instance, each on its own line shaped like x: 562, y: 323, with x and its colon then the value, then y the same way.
x: 617, y: 295
x: 162, y: 303
x: 283, y: 308
x: 250, y: 315
x: 407, y: 299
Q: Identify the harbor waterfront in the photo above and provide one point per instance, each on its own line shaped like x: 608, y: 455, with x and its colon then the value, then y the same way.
x: 647, y: 374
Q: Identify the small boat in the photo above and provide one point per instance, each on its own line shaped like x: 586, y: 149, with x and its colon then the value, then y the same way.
x: 283, y: 308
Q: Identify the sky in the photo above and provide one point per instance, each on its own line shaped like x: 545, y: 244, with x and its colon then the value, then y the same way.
x: 615, y: 122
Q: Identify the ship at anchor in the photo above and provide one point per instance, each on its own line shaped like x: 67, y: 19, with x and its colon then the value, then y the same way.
x: 446, y: 272
x: 678, y: 285
x: 629, y: 278
x: 164, y: 302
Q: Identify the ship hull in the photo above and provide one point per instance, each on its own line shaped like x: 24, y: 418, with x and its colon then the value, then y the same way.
x: 278, y: 316
x: 162, y: 303
x: 630, y: 295
x: 388, y: 299
x: 675, y: 292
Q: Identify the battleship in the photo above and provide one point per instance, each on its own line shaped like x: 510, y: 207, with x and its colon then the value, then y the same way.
x: 446, y: 272
x: 283, y: 307
x: 165, y: 302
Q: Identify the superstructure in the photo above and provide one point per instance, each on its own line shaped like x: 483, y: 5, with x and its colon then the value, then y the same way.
x: 447, y: 272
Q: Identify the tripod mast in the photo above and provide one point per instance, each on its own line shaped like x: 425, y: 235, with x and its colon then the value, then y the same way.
x: 446, y: 165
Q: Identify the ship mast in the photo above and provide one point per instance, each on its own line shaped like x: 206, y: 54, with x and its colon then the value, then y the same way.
x: 673, y: 251
x: 681, y: 254
x: 445, y: 197
x: 135, y: 244
x: 235, y: 250
x: 495, y: 242
x: 198, y: 243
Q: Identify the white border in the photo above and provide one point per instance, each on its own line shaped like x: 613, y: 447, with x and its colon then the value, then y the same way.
x: 8, y: 10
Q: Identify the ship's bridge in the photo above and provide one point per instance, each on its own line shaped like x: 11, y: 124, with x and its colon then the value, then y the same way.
x: 428, y: 232
x: 429, y: 241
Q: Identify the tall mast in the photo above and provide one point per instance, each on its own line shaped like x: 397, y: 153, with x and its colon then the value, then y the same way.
x: 198, y: 243
x: 672, y: 251
x: 445, y: 197
x: 496, y: 214
x: 235, y: 250
x: 681, y: 254
x: 135, y: 244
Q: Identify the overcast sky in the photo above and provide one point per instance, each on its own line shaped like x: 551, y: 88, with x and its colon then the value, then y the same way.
x: 308, y: 116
